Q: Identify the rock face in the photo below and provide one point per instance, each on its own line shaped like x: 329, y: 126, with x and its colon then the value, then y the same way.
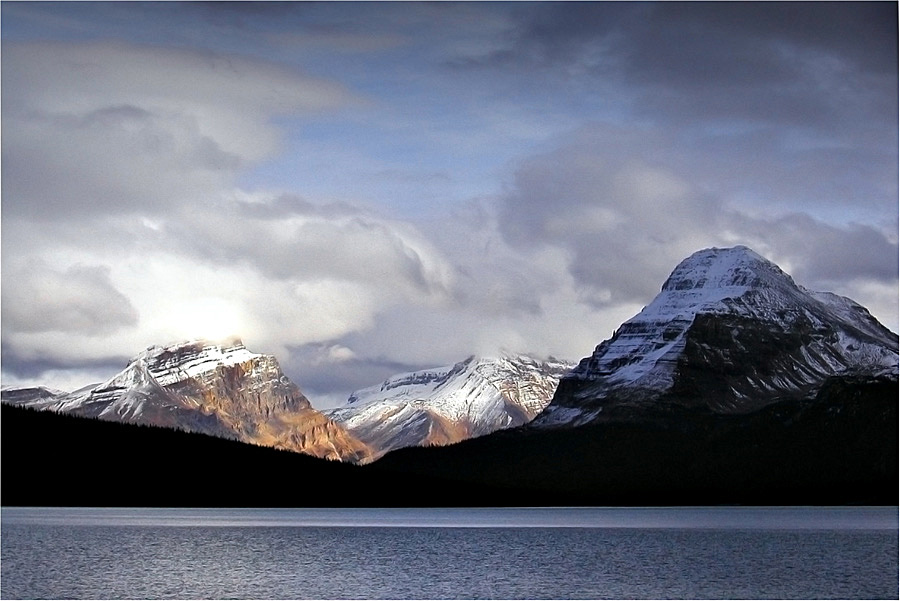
x: 217, y: 389
x: 730, y: 333
x: 445, y: 405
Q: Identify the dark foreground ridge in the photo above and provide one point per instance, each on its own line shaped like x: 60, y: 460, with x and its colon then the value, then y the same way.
x: 52, y: 459
x: 841, y: 448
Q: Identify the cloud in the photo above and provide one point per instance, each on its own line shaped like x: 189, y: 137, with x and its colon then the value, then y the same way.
x: 125, y: 156
x: 67, y: 377
x: 337, y: 41
x: 80, y: 300
x: 685, y: 44
x: 822, y: 65
x: 277, y: 270
x: 822, y: 253
x: 622, y: 218
x: 518, y: 299
x: 287, y: 238
x: 119, y: 158
x: 625, y: 209
x: 110, y: 127
x: 327, y: 373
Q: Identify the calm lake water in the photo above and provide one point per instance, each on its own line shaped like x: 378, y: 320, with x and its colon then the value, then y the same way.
x: 781, y: 553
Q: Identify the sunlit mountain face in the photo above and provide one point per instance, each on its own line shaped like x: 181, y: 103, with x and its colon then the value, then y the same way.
x: 222, y: 389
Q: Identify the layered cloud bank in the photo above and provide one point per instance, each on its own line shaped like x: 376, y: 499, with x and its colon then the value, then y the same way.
x: 364, y: 189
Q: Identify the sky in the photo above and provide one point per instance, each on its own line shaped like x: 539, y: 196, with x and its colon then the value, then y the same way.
x: 366, y: 189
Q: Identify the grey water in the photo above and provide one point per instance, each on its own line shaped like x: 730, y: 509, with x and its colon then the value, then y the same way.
x: 515, y: 553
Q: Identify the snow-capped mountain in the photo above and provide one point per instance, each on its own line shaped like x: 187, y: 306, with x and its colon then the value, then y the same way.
x: 729, y: 332
x: 31, y: 396
x: 221, y: 389
x: 444, y: 405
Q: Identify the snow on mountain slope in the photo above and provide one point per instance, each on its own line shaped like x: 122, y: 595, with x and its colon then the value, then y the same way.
x: 444, y: 405
x: 221, y: 389
x: 32, y: 396
x: 730, y: 331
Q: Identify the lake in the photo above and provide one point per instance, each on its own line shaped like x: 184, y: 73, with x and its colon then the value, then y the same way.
x: 516, y: 553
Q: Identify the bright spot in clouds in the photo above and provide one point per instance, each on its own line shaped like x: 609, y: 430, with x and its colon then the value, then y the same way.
x: 210, y: 318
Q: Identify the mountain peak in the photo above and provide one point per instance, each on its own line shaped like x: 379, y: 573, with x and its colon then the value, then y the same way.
x: 213, y: 387
x: 724, y: 322
x: 192, y: 346
x: 717, y: 268
x: 473, y: 397
x: 182, y: 360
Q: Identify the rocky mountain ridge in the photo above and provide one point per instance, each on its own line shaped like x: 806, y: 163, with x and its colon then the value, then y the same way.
x: 731, y: 332
x: 225, y: 390
x: 221, y: 389
x: 440, y: 406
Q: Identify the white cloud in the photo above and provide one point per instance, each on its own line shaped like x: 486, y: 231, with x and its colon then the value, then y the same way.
x: 80, y: 301
x: 623, y: 206
x: 291, y: 274
x: 100, y: 127
x: 506, y: 298
x: 304, y: 241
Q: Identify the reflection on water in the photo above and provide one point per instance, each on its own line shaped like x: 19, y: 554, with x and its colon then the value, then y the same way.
x: 602, y: 553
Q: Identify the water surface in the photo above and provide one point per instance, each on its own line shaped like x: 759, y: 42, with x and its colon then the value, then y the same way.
x: 782, y: 553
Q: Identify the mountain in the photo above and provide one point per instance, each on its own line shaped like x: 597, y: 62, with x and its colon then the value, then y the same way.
x: 734, y: 385
x: 729, y: 332
x: 840, y: 448
x: 445, y: 405
x: 220, y: 389
x: 31, y: 396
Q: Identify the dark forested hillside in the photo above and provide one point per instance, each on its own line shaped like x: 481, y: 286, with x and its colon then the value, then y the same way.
x: 840, y: 449
x: 51, y: 459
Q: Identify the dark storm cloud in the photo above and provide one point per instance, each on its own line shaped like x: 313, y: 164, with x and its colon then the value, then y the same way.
x: 685, y: 43
x: 767, y: 61
x: 31, y: 367
x: 862, y: 32
x: 698, y: 43
x: 553, y: 35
